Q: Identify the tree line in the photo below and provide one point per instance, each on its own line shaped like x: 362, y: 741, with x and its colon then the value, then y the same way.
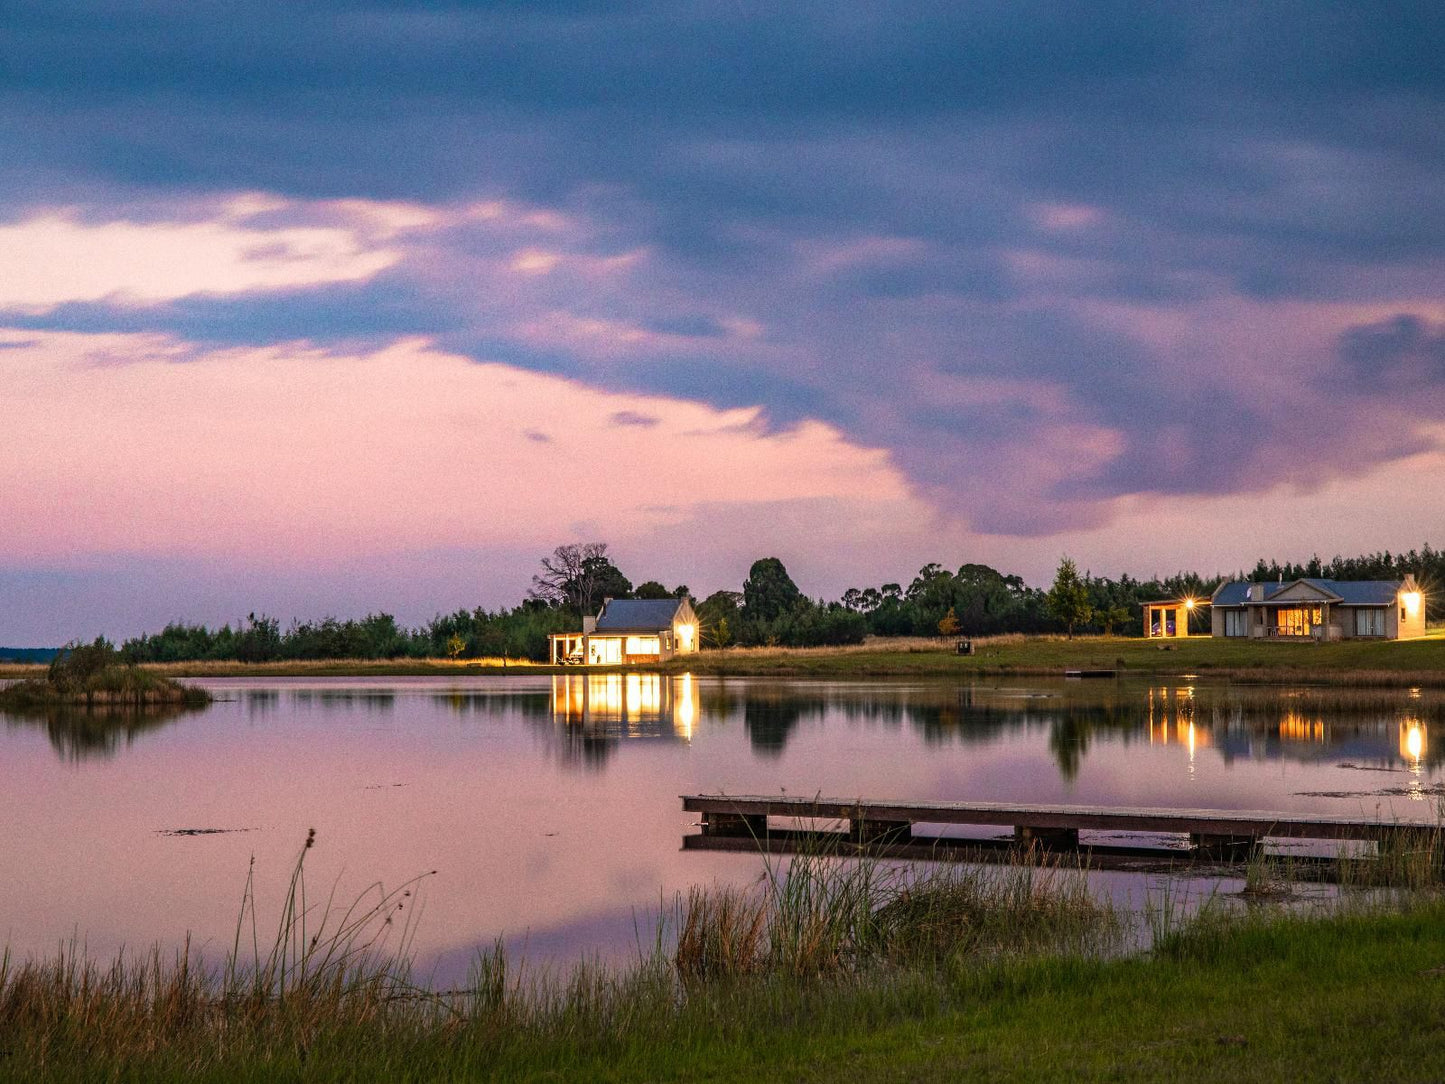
x: 769, y: 609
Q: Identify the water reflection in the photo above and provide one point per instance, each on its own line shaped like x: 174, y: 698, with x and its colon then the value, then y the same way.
x: 596, y: 712
x: 98, y: 732
x: 550, y: 804
x: 593, y: 713
x: 586, y: 717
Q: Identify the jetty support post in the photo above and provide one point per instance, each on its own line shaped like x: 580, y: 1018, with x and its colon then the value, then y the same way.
x: 866, y: 830
x: 1224, y: 848
x: 715, y: 823
x: 1049, y: 839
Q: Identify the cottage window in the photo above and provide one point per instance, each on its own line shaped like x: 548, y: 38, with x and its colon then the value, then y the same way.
x: 605, y: 651
x: 1236, y: 623
x: 1297, y: 621
x: 643, y: 645
x: 1370, y: 622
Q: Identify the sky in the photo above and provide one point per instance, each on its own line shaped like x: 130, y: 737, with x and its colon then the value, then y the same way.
x: 337, y: 307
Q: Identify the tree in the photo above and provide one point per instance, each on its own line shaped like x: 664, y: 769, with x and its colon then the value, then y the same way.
x: 717, y: 616
x: 1068, y: 599
x: 652, y: 589
x: 579, y: 577
x: 607, y: 581
x: 769, y: 592
x: 456, y: 644
x: 949, y: 625
x: 1114, y: 615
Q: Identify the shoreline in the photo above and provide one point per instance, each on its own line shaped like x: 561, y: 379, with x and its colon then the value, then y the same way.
x: 1396, y: 664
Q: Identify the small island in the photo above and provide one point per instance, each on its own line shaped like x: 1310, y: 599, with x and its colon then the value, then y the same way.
x: 97, y: 675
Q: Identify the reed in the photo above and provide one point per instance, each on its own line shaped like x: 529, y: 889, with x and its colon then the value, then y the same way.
x: 823, y: 953
x: 821, y: 913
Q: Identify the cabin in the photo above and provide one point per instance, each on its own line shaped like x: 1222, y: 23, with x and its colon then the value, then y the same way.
x: 629, y: 631
x: 1319, y: 610
x: 1168, y: 618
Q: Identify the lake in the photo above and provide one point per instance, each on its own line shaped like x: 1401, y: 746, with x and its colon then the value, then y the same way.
x: 548, y: 806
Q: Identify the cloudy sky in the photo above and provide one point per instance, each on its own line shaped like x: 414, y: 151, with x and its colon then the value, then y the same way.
x: 338, y: 306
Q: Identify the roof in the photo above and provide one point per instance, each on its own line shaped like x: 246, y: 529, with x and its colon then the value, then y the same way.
x: 1350, y: 592
x: 638, y: 614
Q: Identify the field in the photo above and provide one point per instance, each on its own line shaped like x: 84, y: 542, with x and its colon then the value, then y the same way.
x: 1410, y: 662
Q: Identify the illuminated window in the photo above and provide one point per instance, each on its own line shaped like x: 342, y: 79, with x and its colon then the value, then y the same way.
x: 605, y: 651
x: 643, y: 645
x: 1297, y: 621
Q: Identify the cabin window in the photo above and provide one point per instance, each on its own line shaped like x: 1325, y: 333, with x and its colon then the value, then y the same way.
x: 1297, y: 621
x: 1369, y: 622
x: 1236, y: 623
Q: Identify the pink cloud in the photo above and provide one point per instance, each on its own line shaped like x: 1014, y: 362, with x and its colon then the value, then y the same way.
x: 58, y: 256
x: 115, y: 445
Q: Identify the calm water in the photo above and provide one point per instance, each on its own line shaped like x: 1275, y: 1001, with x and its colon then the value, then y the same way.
x: 549, y: 807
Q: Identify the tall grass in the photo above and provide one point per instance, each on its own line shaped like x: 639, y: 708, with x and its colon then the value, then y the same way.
x: 324, y: 966
x: 818, y: 942
x: 326, y: 976
x: 823, y: 914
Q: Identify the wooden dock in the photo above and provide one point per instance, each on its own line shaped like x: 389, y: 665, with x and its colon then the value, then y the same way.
x: 1216, y: 834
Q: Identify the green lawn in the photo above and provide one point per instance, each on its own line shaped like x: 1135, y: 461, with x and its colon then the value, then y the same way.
x: 1405, y: 662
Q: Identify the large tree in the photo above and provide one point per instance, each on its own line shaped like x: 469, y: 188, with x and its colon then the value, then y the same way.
x: 769, y: 591
x: 579, y: 577
x: 1069, y: 597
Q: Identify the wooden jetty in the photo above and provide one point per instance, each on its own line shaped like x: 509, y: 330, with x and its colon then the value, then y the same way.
x: 732, y: 822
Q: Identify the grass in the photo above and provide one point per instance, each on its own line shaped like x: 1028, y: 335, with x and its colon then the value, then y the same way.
x: 1409, y: 662
x: 97, y: 683
x: 1419, y: 662
x: 825, y: 970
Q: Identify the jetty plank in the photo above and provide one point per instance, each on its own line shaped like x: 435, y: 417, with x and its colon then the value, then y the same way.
x: 1032, y: 819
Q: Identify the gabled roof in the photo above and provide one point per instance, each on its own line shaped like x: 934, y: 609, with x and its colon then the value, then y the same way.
x: 638, y: 614
x: 1349, y: 592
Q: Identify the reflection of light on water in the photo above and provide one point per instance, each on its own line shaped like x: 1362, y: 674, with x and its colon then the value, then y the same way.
x: 1412, y: 743
x: 1170, y: 715
x: 1298, y: 727
x: 684, y: 697
x: 644, y: 695
x: 646, y: 704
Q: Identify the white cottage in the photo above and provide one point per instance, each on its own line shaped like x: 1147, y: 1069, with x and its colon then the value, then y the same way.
x: 630, y: 631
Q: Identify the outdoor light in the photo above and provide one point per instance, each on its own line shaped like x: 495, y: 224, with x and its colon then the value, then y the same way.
x: 1189, y: 604
x: 685, y: 634
x: 1411, y: 601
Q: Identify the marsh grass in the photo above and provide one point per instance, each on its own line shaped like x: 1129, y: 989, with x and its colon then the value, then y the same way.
x: 820, y: 913
x: 821, y: 949
x: 94, y: 675
x: 1269, y: 876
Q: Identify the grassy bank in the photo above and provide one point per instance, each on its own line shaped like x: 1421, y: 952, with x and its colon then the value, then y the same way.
x: 1412, y: 662
x: 92, y: 676
x: 1405, y: 662
x: 826, y: 971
